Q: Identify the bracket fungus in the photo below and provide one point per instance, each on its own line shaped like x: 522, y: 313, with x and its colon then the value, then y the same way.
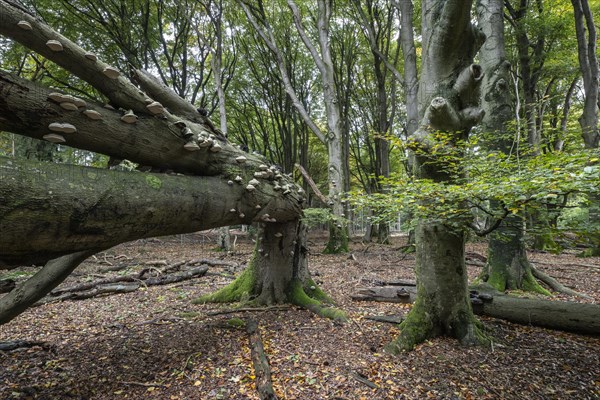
x: 54, y: 45
x: 62, y: 127
x: 93, y: 115
x: 111, y: 72
x: 129, y: 117
x: 69, y: 106
x: 191, y: 146
x: 54, y: 138
x: 155, y: 108
x: 24, y: 25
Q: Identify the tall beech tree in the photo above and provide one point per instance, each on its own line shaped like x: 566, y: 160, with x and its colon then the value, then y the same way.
x: 449, y: 108
x: 332, y: 137
x: 588, y: 63
x: 57, y: 215
x: 507, y: 265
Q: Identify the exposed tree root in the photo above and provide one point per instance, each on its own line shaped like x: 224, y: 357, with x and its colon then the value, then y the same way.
x: 283, y: 245
x: 420, y: 325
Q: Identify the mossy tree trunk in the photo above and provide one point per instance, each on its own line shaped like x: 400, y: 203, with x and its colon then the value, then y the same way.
x: 507, y: 266
x: 278, y: 273
x: 448, y: 104
x: 588, y: 63
x: 442, y: 306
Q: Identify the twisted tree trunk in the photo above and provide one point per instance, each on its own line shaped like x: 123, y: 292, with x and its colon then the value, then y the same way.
x: 448, y: 102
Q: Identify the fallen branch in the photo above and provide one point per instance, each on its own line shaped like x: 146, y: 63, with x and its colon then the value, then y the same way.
x: 143, y: 384
x: 363, y: 379
x: 22, y: 344
x: 262, y: 370
x: 312, y: 184
x: 248, y: 309
x: 556, y: 285
x: 390, y: 319
x: 401, y: 282
x: 387, y: 294
x: 119, y: 284
x: 213, y: 263
x: 568, y: 264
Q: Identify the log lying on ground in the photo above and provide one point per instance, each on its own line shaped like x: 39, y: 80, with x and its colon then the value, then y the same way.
x: 561, y: 315
x: 387, y: 294
x: 120, y: 284
x: 22, y: 344
x: 262, y: 370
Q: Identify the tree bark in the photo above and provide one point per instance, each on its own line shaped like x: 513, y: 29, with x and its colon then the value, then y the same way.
x: 448, y: 102
x: 507, y: 265
x: 49, y: 210
x: 588, y: 63
x: 561, y: 315
x: 27, y: 293
x: 278, y: 273
x: 338, y: 232
x: 52, y: 210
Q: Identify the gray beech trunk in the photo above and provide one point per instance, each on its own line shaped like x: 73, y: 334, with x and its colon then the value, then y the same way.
x: 49, y: 210
x: 588, y: 63
x: 448, y: 102
x: 507, y: 264
x: 333, y: 137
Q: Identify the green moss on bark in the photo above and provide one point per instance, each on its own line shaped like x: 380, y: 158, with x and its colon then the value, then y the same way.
x: 530, y: 284
x: 238, y: 290
x: 338, y: 239
x: 299, y: 297
x: 415, y: 329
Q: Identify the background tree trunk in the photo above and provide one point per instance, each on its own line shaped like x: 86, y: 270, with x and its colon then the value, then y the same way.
x: 507, y: 265
x: 588, y: 63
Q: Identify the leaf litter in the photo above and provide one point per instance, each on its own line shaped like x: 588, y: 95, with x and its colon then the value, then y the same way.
x: 155, y: 344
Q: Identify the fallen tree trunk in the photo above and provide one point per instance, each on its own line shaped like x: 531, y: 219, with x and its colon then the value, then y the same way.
x: 49, y: 210
x: 561, y: 315
x: 262, y: 370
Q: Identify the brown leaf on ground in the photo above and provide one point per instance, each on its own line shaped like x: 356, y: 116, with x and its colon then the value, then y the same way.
x: 155, y: 344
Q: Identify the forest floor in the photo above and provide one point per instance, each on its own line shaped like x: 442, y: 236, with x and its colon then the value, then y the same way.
x: 155, y: 344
